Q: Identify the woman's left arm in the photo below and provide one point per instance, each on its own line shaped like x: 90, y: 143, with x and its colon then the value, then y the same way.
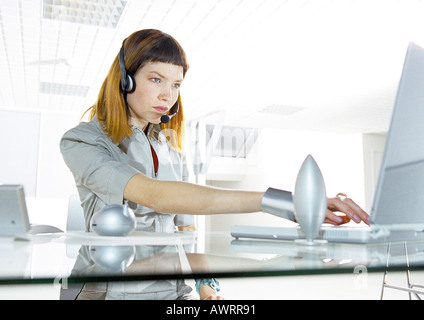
x: 188, y: 198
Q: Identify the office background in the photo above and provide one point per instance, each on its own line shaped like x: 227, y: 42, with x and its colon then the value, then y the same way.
x: 269, y: 82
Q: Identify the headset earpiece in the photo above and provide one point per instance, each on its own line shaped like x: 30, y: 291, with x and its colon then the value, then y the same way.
x: 130, y: 84
x: 127, y: 80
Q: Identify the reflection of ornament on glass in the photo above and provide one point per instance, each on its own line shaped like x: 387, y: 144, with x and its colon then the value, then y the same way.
x: 114, y: 220
x: 112, y: 258
x: 310, y: 200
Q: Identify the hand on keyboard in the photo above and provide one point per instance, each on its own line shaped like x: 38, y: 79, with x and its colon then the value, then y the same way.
x: 349, y: 209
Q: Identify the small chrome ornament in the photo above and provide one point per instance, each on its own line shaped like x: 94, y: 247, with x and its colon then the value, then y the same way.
x: 114, y: 220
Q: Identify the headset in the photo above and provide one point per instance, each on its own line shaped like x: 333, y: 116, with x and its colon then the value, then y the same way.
x: 128, y: 85
x: 127, y: 81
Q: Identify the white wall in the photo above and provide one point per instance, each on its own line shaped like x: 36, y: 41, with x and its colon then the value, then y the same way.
x: 19, y: 145
x: 30, y: 156
x: 54, y: 178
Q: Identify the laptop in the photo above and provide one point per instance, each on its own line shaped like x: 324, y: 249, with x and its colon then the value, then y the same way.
x: 14, y: 221
x: 397, y: 213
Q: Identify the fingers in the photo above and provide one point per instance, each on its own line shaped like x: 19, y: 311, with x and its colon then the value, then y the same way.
x: 348, y: 207
x: 334, y: 219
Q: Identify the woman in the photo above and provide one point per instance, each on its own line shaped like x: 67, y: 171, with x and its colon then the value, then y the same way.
x: 129, y: 150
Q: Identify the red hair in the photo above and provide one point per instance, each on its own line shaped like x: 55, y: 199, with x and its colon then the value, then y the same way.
x: 111, y: 109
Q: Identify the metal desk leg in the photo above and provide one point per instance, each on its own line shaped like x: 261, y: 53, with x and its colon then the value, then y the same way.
x: 411, y: 287
x: 385, y: 273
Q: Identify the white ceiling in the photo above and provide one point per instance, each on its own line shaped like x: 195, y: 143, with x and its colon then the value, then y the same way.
x: 328, y: 65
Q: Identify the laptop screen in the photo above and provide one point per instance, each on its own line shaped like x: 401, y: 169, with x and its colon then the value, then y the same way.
x: 399, y: 197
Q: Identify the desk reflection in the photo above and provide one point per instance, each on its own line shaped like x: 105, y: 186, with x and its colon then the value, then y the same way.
x: 242, y: 256
x: 110, y: 261
x: 98, y: 261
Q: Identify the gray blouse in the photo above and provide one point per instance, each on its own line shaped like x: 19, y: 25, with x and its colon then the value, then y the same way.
x: 102, y: 169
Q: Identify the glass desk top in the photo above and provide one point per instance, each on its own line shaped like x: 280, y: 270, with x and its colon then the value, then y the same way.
x: 86, y: 257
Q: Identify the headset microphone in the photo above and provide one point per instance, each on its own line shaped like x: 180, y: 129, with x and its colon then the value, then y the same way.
x: 165, y: 118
